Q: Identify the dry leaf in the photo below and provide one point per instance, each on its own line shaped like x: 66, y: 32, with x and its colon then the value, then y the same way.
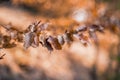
x: 48, y: 45
x: 20, y: 37
x: 28, y: 39
x: 13, y: 34
x: 60, y: 39
x: 68, y: 37
x: 81, y: 28
x: 54, y: 41
x: 44, y: 26
x: 35, y: 42
x: 93, y: 36
x: 31, y: 28
x: 8, y: 45
x: 94, y: 28
x: 83, y: 39
x: 6, y: 39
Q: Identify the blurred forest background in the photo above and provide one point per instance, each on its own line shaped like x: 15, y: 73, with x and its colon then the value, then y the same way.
x: 76, y: 62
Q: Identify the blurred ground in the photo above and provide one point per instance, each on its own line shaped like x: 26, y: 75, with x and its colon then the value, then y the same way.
x: 71, y: 63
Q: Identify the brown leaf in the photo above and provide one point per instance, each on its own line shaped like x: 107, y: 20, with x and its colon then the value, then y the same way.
x: 95, y: 27
x: 8, y: 45
x: 42, y: 39
x: 6, y: 39
x: 48, y: 45
x: 13, y: 34
x: 6, y: 42
x: 54, y: 41
x: 93, y: 36
x: 35, y: 43
x: 7, y: 27
x: 20, y: 37
x: 83, y: 39
x: 60, y: 39
x: 28, y: 39
x: 68, y: 37
x: 81, y: 28
x: 43, y: 26
x: 31, y: 28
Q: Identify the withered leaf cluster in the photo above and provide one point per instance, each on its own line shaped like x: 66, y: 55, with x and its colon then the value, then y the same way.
x: 14, y: 35
x: 35, y: 35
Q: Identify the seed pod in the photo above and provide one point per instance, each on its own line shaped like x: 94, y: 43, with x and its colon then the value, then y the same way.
x: 28, y: 39
x: 60, y: 39
x: 54, y: 41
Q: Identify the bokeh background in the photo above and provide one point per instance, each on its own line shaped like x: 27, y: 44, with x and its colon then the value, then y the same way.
x: 75, y: 62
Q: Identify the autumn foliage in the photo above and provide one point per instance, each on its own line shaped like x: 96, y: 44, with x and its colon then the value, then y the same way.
x: 81, y: 35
